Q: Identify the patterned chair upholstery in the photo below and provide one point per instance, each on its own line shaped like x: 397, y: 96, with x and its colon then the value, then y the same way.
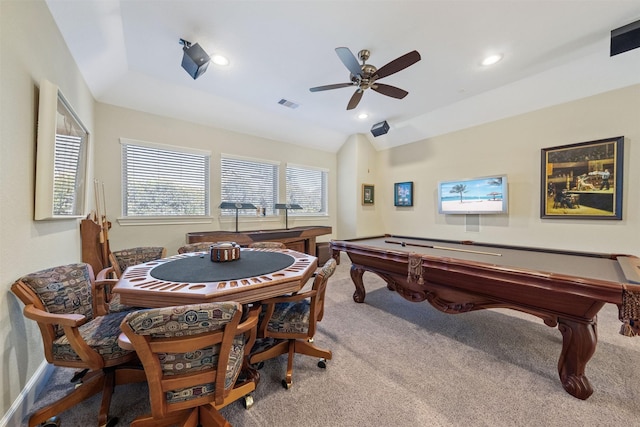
x: 289, y: 323
x: 63, y: 302
x: 195, y: 247
x: 193, y: 356
x: 268, y: 245
x: 121, y: 260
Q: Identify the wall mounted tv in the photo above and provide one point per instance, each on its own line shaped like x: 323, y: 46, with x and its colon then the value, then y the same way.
x: 483, y: 195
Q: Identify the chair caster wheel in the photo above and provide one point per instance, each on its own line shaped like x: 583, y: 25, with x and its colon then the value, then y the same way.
x: 322, y: 363
x: 286, y: 385
x: 111, y: 422
x: 51, y: 422
x: 259, y: 365
x: 247, y: 402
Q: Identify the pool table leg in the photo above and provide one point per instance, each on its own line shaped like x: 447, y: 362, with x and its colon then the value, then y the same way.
x: 578, y: 345
x: 356, y: 277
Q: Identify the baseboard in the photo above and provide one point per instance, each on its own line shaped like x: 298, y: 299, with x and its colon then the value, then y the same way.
x: 27, y: 397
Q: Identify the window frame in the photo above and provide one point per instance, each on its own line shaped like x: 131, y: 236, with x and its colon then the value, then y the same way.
x: 126, y: 219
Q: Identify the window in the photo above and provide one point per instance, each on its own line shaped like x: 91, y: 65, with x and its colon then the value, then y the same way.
x: 160, y: 180
x: 307, y: 187
x: 248, y: 181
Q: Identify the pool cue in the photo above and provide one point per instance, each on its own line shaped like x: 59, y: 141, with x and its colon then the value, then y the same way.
x: 403, y: 244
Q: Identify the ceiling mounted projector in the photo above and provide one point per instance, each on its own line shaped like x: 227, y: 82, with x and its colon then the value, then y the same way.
x: 194, y: 60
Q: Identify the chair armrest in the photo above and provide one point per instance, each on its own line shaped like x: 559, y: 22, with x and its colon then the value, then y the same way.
x: 250, y: 324
x: 72, y: 320
x: 101, y: 289
x: 291, y: 298
x: 106, y: 273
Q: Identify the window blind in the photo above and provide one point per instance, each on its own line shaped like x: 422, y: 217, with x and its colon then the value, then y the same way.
x: 164, y: 182
x: 308, y: 188
x: 248, y: 181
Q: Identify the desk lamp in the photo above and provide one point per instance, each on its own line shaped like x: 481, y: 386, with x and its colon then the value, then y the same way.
x: 286, y: 207
x: 237, y: 206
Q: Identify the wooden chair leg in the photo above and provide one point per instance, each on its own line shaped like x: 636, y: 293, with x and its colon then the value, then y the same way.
x: 289, y: 378
x: 184, y: 418
x: 210, y: 417
x: 107, y: 393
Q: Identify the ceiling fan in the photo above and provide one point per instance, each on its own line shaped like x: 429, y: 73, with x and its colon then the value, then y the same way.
x: 366, y: 76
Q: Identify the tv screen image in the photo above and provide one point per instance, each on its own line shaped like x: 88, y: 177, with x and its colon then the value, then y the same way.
x: 482, y: 195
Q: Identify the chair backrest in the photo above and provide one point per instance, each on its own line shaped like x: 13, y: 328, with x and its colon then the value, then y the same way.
x: 122, y: 259
x: 320, y: 286
x: 191, y: 354
x: 267, y: 245
x: 66, y: 289
x: 195, y: 247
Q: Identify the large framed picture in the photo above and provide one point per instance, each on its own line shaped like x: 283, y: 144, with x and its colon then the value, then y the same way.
x: 583, y: 180
x: 367, y: 194
x: 403, y: 194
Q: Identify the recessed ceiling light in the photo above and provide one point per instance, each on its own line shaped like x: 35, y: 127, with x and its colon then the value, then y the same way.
x: 492, y: 59
x: 220, y: 60
x: 363, y: 115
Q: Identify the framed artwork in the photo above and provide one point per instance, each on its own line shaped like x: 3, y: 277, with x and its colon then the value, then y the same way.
x: 582, y: 180
x: 403, y: 194
x: 367, y: 194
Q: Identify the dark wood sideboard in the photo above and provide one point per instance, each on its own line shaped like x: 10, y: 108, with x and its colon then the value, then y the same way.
x: 301, y: 239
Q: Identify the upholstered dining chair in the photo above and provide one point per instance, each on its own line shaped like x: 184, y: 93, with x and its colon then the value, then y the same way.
x: 267, y: 245
x: 195, y: 358
x: 124, y: 258
x: 195, y: 247
x: 289, y: 323
x: 120, y: 261
x: 66, y: 302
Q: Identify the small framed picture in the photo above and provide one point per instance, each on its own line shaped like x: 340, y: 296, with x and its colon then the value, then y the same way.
x: 367, y: 194
x: 582, y: 181
x: 403, y: 194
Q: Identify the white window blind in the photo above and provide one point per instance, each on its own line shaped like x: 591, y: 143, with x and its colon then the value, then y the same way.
x: 248, y: 181
x: 307, y: 187
x: 164, y: 182
x: 68, y: 171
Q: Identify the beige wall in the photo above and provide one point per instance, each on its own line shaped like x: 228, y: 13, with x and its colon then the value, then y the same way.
x: 31, y: 50
x: 115, y: 123
x: 512, y: 146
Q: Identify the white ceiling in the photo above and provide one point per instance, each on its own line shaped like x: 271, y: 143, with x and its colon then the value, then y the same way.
x: 554, y: 51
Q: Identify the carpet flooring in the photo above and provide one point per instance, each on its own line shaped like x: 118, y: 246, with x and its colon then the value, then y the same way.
x: 398, y: 363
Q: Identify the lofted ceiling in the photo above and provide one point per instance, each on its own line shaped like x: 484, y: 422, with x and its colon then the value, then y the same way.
x: 554, y: 51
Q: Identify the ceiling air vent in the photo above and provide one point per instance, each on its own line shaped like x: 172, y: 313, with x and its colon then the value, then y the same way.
x: 289, y: 104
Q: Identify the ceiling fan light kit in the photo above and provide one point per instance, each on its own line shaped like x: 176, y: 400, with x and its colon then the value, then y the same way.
x: 195, y: 60
x: 365, y: 76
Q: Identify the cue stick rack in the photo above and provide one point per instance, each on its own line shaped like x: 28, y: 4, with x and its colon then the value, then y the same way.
x: 94, y: 233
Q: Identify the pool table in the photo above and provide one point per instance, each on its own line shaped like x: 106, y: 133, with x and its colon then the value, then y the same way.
x: 564, y: 288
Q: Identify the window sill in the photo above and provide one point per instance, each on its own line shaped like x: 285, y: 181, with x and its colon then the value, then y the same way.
x: 163, y: 220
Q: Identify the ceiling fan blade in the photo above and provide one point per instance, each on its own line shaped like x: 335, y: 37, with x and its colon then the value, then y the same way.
x: 392, y: 91
x: 328, y: 87
x: 398, y: 64
x: 349, y: 60
x: 355, y: 99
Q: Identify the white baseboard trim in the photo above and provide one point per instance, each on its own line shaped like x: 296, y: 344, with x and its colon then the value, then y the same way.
x: 27, y: 397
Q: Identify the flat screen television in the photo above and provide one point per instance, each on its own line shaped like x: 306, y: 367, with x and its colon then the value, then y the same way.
x: 482, y: 195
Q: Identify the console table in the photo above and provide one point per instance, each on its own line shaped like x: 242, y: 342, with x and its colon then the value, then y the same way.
x: 301, y: 239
